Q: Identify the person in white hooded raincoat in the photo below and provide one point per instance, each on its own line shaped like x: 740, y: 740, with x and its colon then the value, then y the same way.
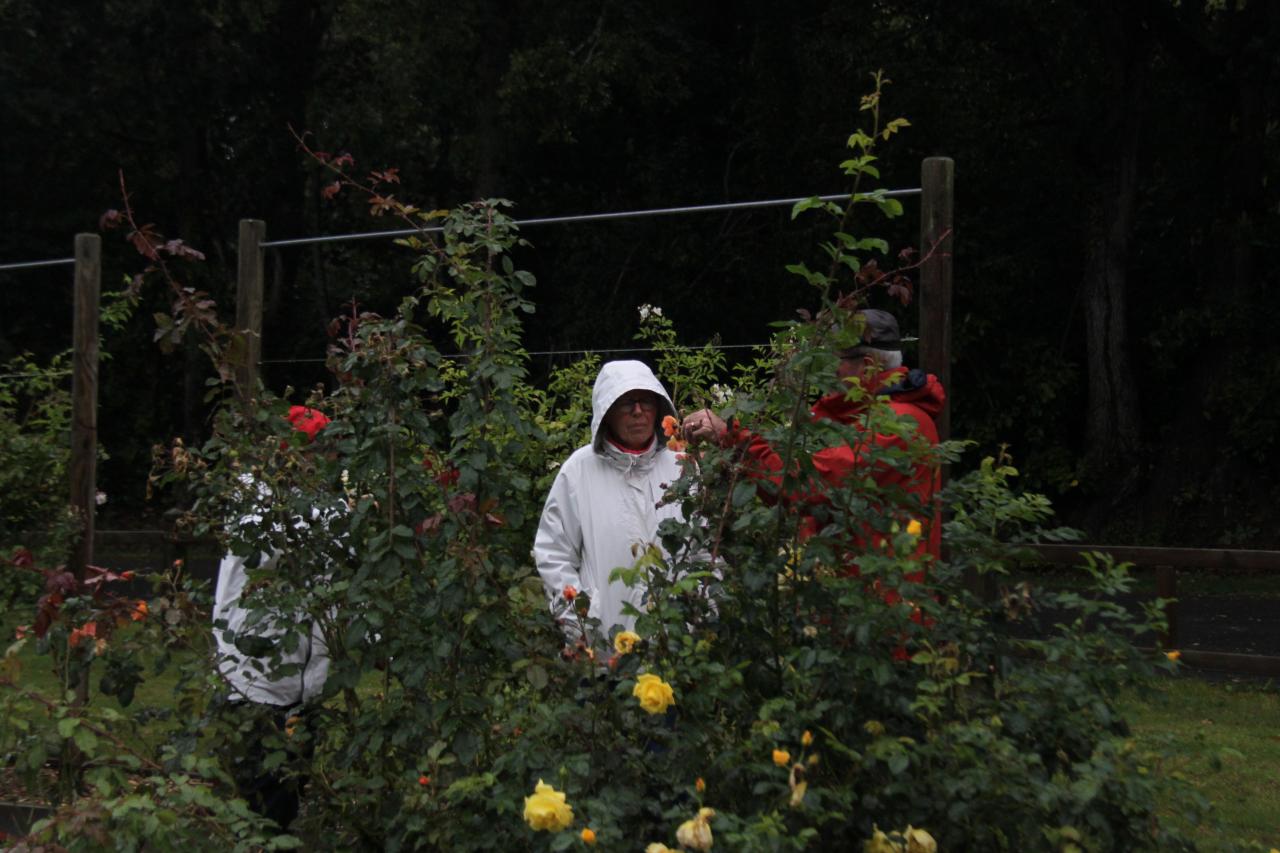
x: 607, y: 497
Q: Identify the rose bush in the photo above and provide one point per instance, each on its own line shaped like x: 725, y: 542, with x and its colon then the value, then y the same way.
x: 811, y: 706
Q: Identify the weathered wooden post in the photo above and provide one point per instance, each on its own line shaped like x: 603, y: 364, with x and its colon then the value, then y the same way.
x: 83, y: 465
x: 249, y: 306
x: 1167, y: 588
x: 84, y: 394
x: 937, y: 187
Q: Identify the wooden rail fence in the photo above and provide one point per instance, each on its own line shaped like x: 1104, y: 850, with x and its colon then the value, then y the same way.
x: 1167, y: 563
x: 157, y: 549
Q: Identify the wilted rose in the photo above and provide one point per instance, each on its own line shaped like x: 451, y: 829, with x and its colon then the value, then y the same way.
x: 696, y: 833
x: 919, y: 841
x: 880, y: 843
x: 625, y: 642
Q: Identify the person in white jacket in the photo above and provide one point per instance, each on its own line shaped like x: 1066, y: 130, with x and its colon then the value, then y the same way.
x: 269, y: 682
x: 607, y: 499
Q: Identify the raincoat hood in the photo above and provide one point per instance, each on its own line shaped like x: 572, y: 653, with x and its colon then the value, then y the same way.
x: 617, y: 378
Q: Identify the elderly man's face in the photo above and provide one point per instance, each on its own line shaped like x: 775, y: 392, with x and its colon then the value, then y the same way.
x: 631, y: 419
x: 854, y: 368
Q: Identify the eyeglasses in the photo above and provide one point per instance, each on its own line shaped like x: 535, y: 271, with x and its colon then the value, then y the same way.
x: 646, y: 401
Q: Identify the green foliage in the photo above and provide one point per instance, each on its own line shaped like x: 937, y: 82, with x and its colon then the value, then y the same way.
x: 792, y: 671
x: 35, y: 444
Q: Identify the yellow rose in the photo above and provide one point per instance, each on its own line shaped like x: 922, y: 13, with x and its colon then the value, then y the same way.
x: 546, y: 809
x: 696, y: 833
x: 588, y: 836
x: 806, y: 739
x: 1173, y: 655
x: 919, y: 841
x: 914, y: 528
x: 654, y: 694
x: 880, y: 843
x: 781, y: 757
x: 658, y: 847
x: 625, y: 642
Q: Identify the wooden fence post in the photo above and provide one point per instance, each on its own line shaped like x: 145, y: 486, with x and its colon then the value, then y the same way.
x: 1167, y: 587
x: 249, y: 306
x: 83, y: 465
x: 84, y: 394
x: 937, y: 185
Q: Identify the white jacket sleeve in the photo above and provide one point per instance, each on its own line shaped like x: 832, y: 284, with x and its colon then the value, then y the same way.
x: 557, y: 549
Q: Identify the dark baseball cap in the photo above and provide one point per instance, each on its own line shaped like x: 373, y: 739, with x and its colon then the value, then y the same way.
x: 880, y: 331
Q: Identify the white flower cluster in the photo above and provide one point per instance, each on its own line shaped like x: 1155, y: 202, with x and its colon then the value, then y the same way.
x: 647, y: 311
x: 100, y: 498
x: 721, y: 395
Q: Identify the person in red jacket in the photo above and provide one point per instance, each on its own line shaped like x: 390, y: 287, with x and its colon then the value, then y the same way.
x: 914, y: 397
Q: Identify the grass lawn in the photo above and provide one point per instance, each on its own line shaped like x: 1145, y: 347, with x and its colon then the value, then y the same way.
x: 1225, y: 738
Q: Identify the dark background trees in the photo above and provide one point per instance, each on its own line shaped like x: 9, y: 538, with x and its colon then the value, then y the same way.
x: 1116, y: 202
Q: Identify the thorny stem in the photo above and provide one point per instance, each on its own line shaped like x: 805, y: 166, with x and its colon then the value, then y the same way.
x: 184, y: 296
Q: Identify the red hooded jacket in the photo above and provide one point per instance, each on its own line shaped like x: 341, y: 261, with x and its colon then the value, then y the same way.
x: 912, y: 394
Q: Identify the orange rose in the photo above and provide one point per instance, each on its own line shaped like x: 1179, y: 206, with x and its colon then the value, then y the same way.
x: 89, y: 629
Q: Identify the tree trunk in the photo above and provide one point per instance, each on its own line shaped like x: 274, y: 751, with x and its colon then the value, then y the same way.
x: 1113, y: 425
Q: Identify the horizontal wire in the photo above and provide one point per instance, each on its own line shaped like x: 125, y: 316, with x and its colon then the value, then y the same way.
x: 544, y: 220
x: 34, y: 375
x: 582, y: 217
x: 26, y: 265
x: 537, y: 352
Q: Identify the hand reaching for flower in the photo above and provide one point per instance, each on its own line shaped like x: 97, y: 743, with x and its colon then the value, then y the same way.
x: 703, y: 425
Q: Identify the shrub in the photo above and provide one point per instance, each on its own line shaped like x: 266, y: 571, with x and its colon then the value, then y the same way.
x: 771, y: 699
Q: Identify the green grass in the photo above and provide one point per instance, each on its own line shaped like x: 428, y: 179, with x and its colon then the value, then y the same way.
x: 38, y: 675
x: 1224, y: 738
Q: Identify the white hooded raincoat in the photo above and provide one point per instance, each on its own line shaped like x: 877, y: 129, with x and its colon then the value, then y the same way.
x: 603, y: 502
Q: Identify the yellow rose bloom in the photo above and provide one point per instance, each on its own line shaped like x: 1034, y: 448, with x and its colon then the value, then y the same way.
x: 919, y: 841
x: 546, y: 809
x: 696, y: 833
x: 1173, y: 655
x: 658, y: 847
x: 625, y: 642
x: 880, y: 843
x: 654, y: 694
x: 588, y: 836
x: 914, y: 528
x: 806, y: 739
x: 781, y: 757
x: 700, y: 784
